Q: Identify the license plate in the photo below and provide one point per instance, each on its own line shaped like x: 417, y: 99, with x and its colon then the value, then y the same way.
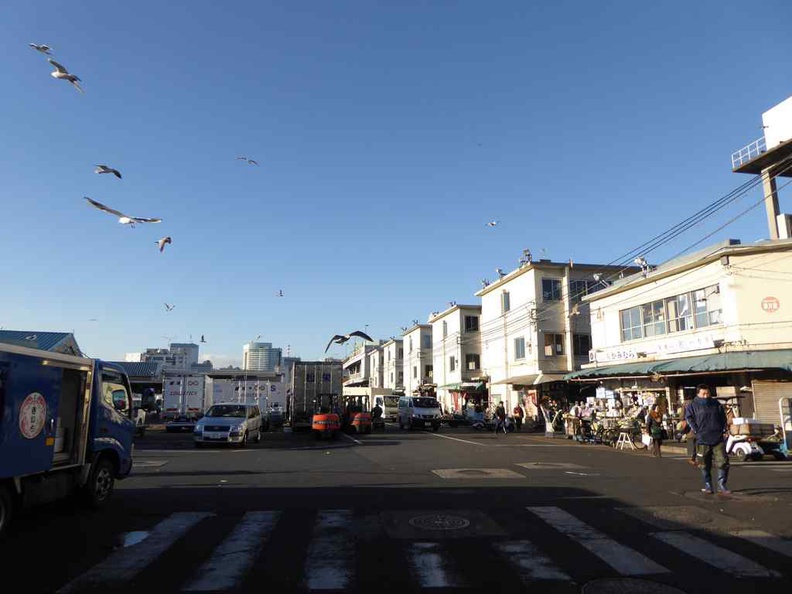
x: 211, y: 435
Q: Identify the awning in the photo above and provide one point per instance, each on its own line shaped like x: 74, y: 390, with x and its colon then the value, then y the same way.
x: 465, y: 387
x: 532, y: 379
x: 720, y: 362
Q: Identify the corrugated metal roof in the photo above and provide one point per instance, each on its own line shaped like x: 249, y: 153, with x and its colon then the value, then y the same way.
x: 58, y: 342
x: 148, y: 369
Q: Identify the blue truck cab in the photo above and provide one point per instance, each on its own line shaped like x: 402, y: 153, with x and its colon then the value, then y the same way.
x: 65, y: 427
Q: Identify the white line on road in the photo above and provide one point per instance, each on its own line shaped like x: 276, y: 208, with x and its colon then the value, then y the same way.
x: 330, y: 561
x: 622, y: 558
x: 352, y: 438
x: 530, y: 561
x: 430, y: 565
x: 484, y: 445
x: 124, y: 564
x: 766, y: 540
x: 714, y: 555
x: 234, y: 557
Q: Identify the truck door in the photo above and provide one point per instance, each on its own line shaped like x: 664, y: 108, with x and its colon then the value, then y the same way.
x: 115, y: 427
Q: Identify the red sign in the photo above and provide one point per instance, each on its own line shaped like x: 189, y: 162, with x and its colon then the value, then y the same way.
x: 770, y: 304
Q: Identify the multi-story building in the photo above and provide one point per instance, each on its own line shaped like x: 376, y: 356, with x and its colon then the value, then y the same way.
x: 418, y: 361
x: 393, y: 361
x: 376, y: 367
x: 356, y: 367
x: 535, y: 328
x: 721, y: 316
x: 456, y: 355
x: 184, y: 354
x: 286, y: 367
x: 260, y: 356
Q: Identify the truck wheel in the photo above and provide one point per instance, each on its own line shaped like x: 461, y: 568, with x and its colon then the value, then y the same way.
x: 100, y: 483
x: 6, y: 510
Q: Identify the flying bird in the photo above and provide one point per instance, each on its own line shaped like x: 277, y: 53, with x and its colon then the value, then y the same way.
x: 280, y: 293
x: 341, y: 339
x: 122, y: 218
x: 61, y: 72
x: 248, y: 161
x: 106, y: 169
x: 492, y: 223
x: 44, y: 49
x: 202, y: 338
x: 169, y: 307
x: 161, y: 243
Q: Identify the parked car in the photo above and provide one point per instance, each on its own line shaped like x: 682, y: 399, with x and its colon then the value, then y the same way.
x: 419, y: 411
x: 232, y: 423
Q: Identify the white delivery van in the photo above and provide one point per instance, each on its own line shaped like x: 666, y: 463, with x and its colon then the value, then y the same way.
x: 419, y: 411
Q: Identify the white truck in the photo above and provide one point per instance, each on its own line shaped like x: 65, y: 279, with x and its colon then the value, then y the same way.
x: 184, y: 400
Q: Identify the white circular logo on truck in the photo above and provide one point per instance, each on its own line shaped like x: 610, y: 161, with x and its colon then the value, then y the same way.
x: 32, y: 415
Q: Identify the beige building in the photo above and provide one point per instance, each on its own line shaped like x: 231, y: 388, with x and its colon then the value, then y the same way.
x: 357, y: 366
x: 393, y: 361
x: 535, y: 328
x: 376, y: 367
x: 418, y: 361
x: 721, y: 316
x: 456, y: 354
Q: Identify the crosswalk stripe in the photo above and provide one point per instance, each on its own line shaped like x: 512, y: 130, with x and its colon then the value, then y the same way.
x: 532, y: 564
x: 236, y: 554
x: 766, y: 540
x: 622, y: 558
x: 430, y: 566
x: 329, y: 565
x: 124, y: 564
x: 714, y: 555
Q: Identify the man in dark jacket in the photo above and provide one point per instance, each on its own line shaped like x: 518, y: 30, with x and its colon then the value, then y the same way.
x: 707, y: 419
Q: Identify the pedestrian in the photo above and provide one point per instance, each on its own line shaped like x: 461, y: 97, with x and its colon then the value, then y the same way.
x: 654, y: 424
x: 707, y: 419
x: 690, y: 438
x: 518, y: 416
x: 500, y: 416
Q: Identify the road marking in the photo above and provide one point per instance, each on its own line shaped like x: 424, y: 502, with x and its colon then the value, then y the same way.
x: 330, y: 561
x: 140, y: 464
x: 430, y: 565
x: 581, y: 473
x: 477, y: 473
x: 780, y: 469
x: 549, y: 465
x: 766, y: 540
x: 714, y: 555
x: 235, y: 556
x: 483, y: 445
x: 530, y: 562
x: 352, y: 438
x: 623, y: 559
x: 124, y: 564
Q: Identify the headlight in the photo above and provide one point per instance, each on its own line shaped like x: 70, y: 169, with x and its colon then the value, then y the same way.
x: 236, y: 428
x: 198, y: 429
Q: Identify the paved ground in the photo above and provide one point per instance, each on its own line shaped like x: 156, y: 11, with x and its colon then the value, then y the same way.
x: 458, y: 511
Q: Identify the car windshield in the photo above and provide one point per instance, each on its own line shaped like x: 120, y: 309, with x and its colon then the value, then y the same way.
x: 227, y: 410
x: 425, y: 403
x: 391, y: 401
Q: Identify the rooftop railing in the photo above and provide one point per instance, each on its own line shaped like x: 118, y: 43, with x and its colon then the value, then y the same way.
x: 745, y: 154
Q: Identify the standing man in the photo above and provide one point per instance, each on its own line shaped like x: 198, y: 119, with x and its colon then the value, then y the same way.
x: 707, y: 419
x: 518, y: 416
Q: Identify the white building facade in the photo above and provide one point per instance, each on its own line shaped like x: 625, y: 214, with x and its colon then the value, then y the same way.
x: 393, y: 361
x: 260, y: 356
x: 418, y: 360
x: 456, y: 354
x: 376, y: 375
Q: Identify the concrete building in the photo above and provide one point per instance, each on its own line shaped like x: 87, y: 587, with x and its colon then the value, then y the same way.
x: 535, y: 329
x: 260, y: 356
x: 356, y: 367
x: 393, y: 361
x: 286, y: 368
x: 418, y: 360
x: 456, y: 356
x: 377, y: 368
x: 178, y: 357
x: 721, y: 316
x: 184, y: 354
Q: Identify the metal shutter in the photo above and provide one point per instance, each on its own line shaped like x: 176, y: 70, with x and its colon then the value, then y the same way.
x: 765, y: 400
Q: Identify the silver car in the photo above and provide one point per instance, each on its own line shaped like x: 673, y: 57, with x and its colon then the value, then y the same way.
x: 233, y: 423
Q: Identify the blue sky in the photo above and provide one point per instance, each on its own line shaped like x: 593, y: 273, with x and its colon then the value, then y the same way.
x: 388, y: 135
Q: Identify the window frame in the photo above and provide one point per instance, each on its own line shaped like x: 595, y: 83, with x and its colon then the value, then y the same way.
x: 556, y: 284
x: 519, y: 345
x: 557, y: 346
x: 469, y: 326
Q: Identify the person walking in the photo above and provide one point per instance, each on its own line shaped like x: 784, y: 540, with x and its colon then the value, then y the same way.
x: 500, y: 417
x: 707, y: 419
x: 518, y: 415
x: 654, y: 424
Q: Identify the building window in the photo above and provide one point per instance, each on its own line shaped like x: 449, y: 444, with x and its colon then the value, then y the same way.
x: 505, y: 302
x: 581, y: 344
x: 554, y: 345
x: 426, y: 341
x: 519, y: 348
x: 471, y: 324
x: 428, y: 371
x: 653, y: 318
x: 452, y: 363
x: 410, y: 349
x: 580, y: 288
x: 551, y: 289
x: 401, y: 353
x: 708, y: 306
x: 391, y: 377
x: 389, y: 354
x: 473, y: 361
x: 631, y: 323
x: 401, y: 377
x: 415, y: 372
x: 680, y: 317
x: 445, y: 329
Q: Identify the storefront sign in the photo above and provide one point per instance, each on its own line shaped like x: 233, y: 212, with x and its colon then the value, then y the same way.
x: 771, y: 304
x: 681, y: 344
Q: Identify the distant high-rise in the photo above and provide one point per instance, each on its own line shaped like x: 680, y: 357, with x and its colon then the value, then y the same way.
x: 260, y: 356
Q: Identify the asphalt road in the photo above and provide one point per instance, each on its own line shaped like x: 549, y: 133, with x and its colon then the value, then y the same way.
x: 399, y: 511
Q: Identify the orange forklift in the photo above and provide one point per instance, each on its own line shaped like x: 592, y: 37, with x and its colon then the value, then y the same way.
x: 326, y: 422
x: 356, y: 414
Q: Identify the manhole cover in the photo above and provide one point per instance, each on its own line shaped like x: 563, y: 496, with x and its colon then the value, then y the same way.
x: 439, y: 522
x: 628, y: 586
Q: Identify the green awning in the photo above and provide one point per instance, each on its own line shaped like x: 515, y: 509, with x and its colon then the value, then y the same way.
x: 464, y: 387
x: 720, y: 362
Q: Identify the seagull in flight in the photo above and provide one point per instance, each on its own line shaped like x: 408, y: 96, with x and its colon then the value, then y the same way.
x: 342, y: 338
x: 61, y: 72
x: 44, y: 49
x: 122, y: 218
x: 492, y: 223
x: 169, y: 307
x: 161, y: 243
x: 248, y: 161
x: 202, y: 338
x: 280, y: 293
x: 106, y: 169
